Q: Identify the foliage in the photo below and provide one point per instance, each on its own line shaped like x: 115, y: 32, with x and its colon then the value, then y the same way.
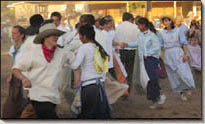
x: 7, y: 13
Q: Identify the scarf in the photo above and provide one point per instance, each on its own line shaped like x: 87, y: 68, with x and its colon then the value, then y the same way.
x: 16, y: 49
x: 101, y: 64
x: 48, y: 54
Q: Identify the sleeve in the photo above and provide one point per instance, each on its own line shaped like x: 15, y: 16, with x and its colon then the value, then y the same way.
x: 25, y: 63
x: 133, y: 44
x: 78, y: 59
x: 155, y: 45
x: 182, y: 37
x: 161, y: 41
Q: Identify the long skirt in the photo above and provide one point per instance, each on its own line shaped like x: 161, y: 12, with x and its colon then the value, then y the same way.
x: 195, y: 56
x: 94, y: 101
x: 179, y: 72
x: 15, y: 102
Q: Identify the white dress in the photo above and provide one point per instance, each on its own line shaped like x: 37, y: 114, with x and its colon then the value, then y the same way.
x: 179, y: 72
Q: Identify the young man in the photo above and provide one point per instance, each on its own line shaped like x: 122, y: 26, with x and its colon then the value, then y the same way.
x: 43, y: 66
x: 127, y: 32
x: 56, y: 16
x: 14, y: 104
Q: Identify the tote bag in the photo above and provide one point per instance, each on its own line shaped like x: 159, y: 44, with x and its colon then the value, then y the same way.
x: 143, y: 75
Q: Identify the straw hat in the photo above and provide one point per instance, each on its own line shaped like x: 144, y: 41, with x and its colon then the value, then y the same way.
x: 47, y: 30
x: 167, y: 16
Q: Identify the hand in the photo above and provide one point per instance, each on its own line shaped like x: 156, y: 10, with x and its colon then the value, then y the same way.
x: 185, y: 58
x: 9, y: 79
x: 123, y: 45
x: 76, y: 85
x: 145, y: 57
x: 75, y: 53
x: 117, y: 50
x: 26, y: 83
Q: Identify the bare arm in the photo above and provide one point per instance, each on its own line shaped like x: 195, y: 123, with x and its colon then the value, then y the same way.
x: 77, y: 75
x: 185, y: 57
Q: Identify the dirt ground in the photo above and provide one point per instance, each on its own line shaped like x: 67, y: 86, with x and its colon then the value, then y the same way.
x: 136, y: 106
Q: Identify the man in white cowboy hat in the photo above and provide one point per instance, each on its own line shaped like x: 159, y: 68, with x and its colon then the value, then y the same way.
x: 43, y: 65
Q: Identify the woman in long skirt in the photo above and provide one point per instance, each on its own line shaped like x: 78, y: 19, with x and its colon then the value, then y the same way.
x: 174, y: 44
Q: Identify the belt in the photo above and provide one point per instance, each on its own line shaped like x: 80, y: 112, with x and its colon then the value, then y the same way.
x: 91, y: 81
x: 98, y: 82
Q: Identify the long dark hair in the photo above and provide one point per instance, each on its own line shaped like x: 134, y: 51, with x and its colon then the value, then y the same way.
x: 147, y: 23
x: 89, y: 32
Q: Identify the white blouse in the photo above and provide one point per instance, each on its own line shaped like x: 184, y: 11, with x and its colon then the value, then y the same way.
x: 85, y: 60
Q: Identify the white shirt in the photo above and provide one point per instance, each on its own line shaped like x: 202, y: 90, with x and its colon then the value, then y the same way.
x: 110, y: 36
x: 61, y: 39
x: 73, y: 40
x: 44, y: 76
x: 18, y: 55
x: 85, y: 60
x: 127, y: 32
x: 29, y: 44
x: 100, y: 37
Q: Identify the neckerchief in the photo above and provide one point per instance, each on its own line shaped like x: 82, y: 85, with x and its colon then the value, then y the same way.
x: 48, y: 54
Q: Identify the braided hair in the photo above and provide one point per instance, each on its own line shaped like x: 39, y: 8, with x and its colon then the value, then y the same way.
x: 88, y: 31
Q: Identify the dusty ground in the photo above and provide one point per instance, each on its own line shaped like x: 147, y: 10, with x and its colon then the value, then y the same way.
x: 136, y: 106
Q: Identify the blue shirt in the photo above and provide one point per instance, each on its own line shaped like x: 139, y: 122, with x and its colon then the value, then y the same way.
x: 181, y: 37
x: 148, y: 45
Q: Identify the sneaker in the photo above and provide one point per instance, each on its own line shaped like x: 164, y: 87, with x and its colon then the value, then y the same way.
x: 162, y: 99
x: 153, y: 106
x: 183, y: 97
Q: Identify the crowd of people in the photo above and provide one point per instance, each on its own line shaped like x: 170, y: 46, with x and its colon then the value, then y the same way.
x: 101, y: 61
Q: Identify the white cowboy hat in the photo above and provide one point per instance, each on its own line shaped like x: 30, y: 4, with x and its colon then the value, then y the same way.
x: 47, y: 30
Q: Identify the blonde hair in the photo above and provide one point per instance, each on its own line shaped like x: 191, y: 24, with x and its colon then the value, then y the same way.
x: 179, y: 19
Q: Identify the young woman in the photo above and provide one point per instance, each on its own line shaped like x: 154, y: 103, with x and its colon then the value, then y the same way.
x: 93, y: 96
x: 174, y: 44
x: 149, y: 51
x: 194, y: 38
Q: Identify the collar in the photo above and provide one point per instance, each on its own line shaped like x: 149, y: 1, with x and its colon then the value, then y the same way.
x: 172, y: 31
x: 146, y: 32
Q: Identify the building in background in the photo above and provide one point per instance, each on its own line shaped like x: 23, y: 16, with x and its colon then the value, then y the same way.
x: 71, y: 10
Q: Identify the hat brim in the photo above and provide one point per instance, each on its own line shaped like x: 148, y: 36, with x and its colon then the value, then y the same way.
x: 39, y: 38
x: 167, y: 16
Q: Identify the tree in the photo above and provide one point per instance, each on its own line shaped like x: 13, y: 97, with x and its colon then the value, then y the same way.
x: 6, y: 13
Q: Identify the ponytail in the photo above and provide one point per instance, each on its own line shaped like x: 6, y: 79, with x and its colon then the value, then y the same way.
x: 89, y: 32
x: 101, y: 49
x: 152, y: 28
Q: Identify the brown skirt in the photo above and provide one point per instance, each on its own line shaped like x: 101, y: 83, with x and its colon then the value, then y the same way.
x: 14, y: 103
